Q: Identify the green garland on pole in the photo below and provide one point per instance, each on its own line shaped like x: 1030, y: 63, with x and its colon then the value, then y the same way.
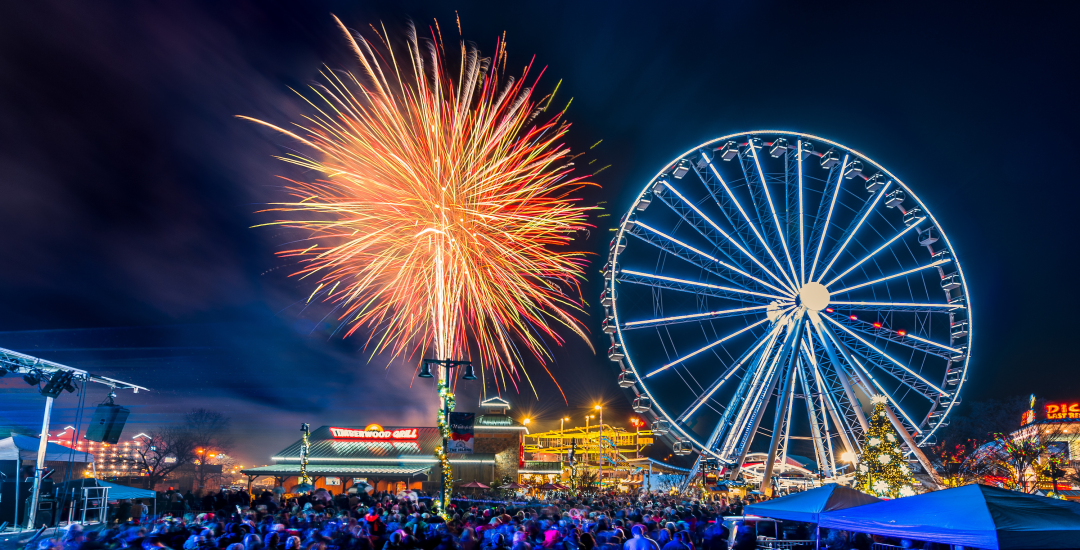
x: 305, y: 445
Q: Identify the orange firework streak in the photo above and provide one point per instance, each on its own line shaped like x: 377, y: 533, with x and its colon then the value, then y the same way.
x: 444, y: 209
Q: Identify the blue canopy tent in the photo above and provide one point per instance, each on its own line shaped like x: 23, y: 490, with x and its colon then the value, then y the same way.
x: 976, y: 516
x: 123, y: 492
x: 807, y: 505
x: 116, y: 491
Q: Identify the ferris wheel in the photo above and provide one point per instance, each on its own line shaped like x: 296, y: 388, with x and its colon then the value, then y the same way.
x: 765, y: 286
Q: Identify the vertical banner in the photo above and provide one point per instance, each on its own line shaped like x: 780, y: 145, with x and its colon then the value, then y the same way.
x: 461, y: 432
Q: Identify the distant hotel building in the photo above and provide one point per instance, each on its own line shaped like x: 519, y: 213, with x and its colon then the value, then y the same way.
x: 113, y: 462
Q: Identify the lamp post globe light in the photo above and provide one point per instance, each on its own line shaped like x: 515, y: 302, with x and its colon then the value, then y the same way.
x: 770, y: 275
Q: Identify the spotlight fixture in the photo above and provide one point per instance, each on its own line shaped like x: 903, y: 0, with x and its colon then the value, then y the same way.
x: 59, y: 382
x: 33, y: 377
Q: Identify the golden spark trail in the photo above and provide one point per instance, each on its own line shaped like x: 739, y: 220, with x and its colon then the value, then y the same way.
x: 441, y: 219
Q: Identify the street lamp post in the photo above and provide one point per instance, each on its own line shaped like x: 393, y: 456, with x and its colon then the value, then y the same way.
x: 445, y: 366
x: 601, y: 476
x: 562, y: 427
x: 637, y: 435
x: 587, y: 418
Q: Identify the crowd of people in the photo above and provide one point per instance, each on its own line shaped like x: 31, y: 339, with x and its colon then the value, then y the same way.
x: 384, y: 521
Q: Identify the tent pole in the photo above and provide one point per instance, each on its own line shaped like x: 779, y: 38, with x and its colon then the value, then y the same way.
x: 817, y: 537
x: 18, y: 481
x: 40, y: 469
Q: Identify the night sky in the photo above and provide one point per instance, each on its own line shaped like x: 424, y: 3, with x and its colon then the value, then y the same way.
x: 130, y: 189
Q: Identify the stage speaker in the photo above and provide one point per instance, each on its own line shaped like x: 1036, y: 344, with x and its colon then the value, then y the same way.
x: 8, y: 498
x: 107, y: 423
x: 46, y: 514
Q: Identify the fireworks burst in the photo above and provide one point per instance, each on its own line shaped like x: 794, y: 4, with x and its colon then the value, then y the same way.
x: 443, y: 211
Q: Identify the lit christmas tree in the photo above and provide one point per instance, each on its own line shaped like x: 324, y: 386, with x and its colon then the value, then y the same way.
x: 881, y: 469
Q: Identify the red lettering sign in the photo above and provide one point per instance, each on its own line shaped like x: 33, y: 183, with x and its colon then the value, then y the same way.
x: 375, y: 432
x: 1063, y: 411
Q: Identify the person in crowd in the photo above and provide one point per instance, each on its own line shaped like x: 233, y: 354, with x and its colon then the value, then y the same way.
x: 639, y: 541
x: 391, y: 521
x: 836, y: 539
x: 745, y: 536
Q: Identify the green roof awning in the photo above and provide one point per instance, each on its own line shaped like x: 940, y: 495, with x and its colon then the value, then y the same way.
x: 335, y: 469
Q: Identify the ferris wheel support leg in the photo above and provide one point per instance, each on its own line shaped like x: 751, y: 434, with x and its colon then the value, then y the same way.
x: 827, y: 397
x: 690, y: 476
x: 781, y: 411
x: 841, y: 374
x: 815, y: 428
x: 919, y: 455
x: 765, y: 396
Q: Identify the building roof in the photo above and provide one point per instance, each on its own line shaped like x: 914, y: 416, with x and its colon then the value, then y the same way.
x: 644, y: 462
x: 498, y: 420
x: 496, y: 401
x: 325, y: 448
x: 332, y: 469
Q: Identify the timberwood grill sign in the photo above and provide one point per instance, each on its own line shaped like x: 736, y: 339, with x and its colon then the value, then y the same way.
x: 1063, y: 411
x: 374, y: 432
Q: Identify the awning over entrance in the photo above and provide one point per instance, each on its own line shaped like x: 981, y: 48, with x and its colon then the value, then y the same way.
x: 293, y: 470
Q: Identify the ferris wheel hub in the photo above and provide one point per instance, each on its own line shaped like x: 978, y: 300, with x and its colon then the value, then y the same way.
x: 814, y: 296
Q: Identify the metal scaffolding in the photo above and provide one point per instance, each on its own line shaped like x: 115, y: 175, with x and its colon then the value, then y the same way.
x: 44, y: 371
x: 598, y: 448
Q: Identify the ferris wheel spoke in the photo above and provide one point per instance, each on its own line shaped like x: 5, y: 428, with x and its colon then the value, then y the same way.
x: 664, y: 321
x: 759, y: 193
x: 905, y: 339
x: 749, y: 418
x: 753, y: 372
x: 727, y: 374
x: 819, y: 424
x: 707, y: 347
x: 828, y: 392
x: 694, y: 287
x: 724, y: 201
x: 785, y: 428
x: 872, y: 254
x: 849, y: 233
x: 787, y: 374
x: 688, y: 253
x: 704, y: 225
x: 821, y: 227
x: 895, y: 404
x: 891, y: 277
x: 891, y: 307
x: 750, y: 407
x: 850, y: 407
x: 867, y: 380
x: 817, y: 389
x: 802, y: 238
x: 885, y: 362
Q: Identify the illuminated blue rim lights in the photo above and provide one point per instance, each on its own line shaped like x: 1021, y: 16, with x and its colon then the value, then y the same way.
x: 921, y: 436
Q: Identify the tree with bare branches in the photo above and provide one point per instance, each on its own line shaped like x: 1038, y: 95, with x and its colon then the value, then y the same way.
x: 163, y: 451
x: 211, y: 431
